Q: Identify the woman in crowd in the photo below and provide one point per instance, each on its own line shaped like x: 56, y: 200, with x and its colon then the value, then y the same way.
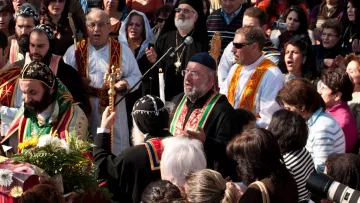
x: 325, y: 134
x: 209, y: 186
x: 328, y: 9
x: 276, y: 8
x: 259, y: 159
x: 144, y: 6
x: 162, y: 191
x: 291, y: 131
x: 55, y: 14
x: 297, y: 23
x: 336, y: 90
x: 114, y: 9
x: 135, y: 32
x: 330, y: 48
x: 352, y: 30
x: 161, y: 15
x: 298, y: 60
x: 17, y: 3
x: 7, y: 25
x: 344, y: 168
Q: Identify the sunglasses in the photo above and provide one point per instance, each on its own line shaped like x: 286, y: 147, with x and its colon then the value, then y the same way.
x: 185, y: 10
x: 240, y: 45
x: 160, y: 20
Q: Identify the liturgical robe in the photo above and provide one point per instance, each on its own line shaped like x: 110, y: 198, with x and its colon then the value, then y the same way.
x: 221, y: 126
x: 98, y: 65
x: 271, y: 82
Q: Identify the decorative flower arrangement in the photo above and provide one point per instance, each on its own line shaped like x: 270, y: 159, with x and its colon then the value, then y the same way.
x: 70, y: 160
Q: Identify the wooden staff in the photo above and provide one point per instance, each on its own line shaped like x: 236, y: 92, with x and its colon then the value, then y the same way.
x: 215, y: 49
x: 73, y: 29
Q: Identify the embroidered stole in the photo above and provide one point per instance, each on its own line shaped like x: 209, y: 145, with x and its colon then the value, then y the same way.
x: 82, y: 60
x: 154, y: 149
x: 197, y: 118
x: 14, y: 51
x: 22, y: 125
x: 248, y: 96
x: 8, y: 85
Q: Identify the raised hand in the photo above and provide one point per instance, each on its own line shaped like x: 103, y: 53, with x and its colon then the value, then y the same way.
x: 151, y: 54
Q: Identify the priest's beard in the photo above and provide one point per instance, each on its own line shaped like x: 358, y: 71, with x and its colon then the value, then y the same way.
x: 137, y: 137
x: 184, y: 24
x: 36, y: 107
x: 23, y: 42
x: 196, y: 92
x: 44, y: 59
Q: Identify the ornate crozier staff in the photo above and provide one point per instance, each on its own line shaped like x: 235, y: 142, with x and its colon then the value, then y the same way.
x: 73, y: 29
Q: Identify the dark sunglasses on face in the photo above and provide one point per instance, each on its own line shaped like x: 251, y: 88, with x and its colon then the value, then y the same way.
x: 240, y: 45
x: 60, y: 1
x: 185, y: 10
x: 160, y: 20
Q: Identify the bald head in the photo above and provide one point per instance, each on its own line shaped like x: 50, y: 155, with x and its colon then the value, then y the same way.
x: 98, y: 27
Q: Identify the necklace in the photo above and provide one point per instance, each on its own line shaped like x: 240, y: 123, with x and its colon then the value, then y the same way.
x: 178, y: 63
x: 351, y: 35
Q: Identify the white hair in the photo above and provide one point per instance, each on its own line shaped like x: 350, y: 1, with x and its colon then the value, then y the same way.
x: 137, y: 137
x: 181, y: 156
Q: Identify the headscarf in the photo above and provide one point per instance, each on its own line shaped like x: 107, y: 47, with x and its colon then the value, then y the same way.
x: 148, y: 33
x: 150, y: 115
x: 200, y: 24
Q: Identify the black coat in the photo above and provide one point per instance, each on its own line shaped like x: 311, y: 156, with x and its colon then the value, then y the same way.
x: 222, y: 125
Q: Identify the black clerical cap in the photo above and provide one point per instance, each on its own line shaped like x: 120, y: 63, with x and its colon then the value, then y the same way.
x: 192, y: 3
x: 40, y: 72
x: 205, y: 59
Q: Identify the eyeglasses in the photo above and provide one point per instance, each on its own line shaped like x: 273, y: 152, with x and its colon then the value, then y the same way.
x: 185, y: 10
x: 93, y: 24
x: 192, y: 74
x: 240, y: 45
x: 324, y: 35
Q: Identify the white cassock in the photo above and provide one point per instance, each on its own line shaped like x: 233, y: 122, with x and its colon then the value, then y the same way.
x: 98, y: 65
x: 265, y: 104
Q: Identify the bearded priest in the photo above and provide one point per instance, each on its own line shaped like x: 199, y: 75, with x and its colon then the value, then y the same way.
x: 48, y: 108
x: 187, y: 19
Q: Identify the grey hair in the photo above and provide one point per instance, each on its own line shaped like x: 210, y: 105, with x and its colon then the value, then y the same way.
x: 253, y: 35
x: 93, y: 10
x: 181, y: 156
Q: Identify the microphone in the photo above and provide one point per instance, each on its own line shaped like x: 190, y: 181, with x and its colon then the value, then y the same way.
x: 188, y: 40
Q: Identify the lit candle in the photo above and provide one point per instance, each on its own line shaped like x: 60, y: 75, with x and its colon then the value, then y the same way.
x: 161, y: 85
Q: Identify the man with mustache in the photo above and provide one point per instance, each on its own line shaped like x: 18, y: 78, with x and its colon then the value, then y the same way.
x: 254, y: 81
x: 26, y: 18
x: 100, y: 55
x: 187, y: 19
x: 206, y: 115
x: 129, y: 173
x: 48, y: 108
x: 41, y: 46
x: 227, y: 20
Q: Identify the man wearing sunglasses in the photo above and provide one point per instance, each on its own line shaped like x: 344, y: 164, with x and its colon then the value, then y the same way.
x: 187, y: 19
x: 254, y: 81
x: 252, y: 17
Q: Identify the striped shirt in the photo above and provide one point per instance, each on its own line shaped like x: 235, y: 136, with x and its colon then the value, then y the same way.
x: 325, y: 137
x: 300, y: 164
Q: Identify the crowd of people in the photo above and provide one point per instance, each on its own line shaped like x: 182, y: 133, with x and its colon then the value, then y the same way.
x: 247, y: 117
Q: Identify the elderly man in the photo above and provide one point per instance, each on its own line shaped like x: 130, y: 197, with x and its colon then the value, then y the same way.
x: 26, y: 18
x: 93, y: 59
x: 227, y: 20
x: 253, y: 17
x: 254, y: 81
x: 48, y: 108
x: 41, y: 46
x: 201, y: 111
x: 187, y: 19
x: 129, y: 173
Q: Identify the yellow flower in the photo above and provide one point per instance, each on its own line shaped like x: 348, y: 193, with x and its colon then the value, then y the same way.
x: 2, y: 159
x: 29, y: 143
x: 16, y: 191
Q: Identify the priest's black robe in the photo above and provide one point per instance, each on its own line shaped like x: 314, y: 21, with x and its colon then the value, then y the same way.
x: 222, y: 125
x: 174, y: 81
x: 127, y: 174
x: 72, y: 80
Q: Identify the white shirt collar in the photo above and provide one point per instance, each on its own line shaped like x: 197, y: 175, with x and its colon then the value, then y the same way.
x: 255, y: 64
